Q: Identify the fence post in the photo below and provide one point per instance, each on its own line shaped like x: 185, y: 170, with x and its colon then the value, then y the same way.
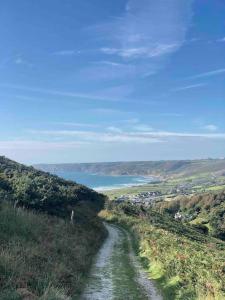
x: 72, y: 217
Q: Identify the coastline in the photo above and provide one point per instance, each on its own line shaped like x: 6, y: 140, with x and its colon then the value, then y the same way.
x: 146, y: 180
x: 118, y: 187
x: 106, y: 182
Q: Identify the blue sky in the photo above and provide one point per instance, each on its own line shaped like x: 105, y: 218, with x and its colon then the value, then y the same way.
x: 94, y: 80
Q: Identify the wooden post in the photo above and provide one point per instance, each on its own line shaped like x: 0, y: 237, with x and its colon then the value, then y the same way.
x: 72, y: 217
x: 15, y: 204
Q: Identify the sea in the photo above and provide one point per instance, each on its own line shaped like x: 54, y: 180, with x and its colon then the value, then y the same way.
x: 104, y: 182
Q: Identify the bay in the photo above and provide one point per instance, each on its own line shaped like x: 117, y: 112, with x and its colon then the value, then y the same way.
x: 103, y: 182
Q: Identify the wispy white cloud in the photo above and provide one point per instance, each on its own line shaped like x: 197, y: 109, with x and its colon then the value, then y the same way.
x: 114, y: 129
x: 76, y: 124
x: 108, y: 63
x: 208, y: 74
x: 138, y: 32
x: 221, y: 40
x: 38, y: 145
x: 108, y: 111
x: 139, y: 39
x: 110, y: 94
x: 51, y: 140
x: 170, y: 114
x: 19, y: 60
x: 111, y: 135
x: 117, y: 135
x: 210, y: 127
x: 72, y: 139
x: 130, y: 121
x: 188, y: 87
x: 157, y: 50
x: 118, y: 93
x: 108, y: 71
x: 186, y: 135
x: 142, y: 127
x: 66, y: 52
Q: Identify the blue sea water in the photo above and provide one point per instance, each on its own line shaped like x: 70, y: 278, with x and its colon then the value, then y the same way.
x: 104, y: 182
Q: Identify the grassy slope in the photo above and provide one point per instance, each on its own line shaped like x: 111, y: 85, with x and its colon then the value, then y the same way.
x: 185, y: 263
x: 40, y: 250
x: 44, y: 254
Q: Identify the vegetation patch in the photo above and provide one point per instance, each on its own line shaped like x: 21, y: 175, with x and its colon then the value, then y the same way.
x: 45, y: 255
x: 185, y: 263
x: 206, y: 211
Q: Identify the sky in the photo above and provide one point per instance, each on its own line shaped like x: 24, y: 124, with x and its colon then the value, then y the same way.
x: 97, y: 80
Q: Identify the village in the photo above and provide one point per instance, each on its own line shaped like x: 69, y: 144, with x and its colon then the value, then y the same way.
x: 168, y: 190
x: 143, y: 198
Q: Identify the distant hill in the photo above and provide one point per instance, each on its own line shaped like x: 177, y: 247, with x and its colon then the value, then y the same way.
x: 42, y: 191
x: 158, y: 168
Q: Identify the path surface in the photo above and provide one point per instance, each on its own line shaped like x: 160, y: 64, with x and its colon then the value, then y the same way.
x: 116, y: 273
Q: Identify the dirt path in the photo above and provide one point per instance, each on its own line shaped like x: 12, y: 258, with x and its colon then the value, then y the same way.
x: 116, y: 273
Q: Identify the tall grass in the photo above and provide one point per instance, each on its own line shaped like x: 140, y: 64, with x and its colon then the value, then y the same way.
x: 46, y: 255
x: 184, y: 263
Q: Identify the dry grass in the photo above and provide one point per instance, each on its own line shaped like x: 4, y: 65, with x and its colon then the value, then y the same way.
x: 46, y: 255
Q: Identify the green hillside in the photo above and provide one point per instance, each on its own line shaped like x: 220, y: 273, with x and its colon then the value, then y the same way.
x: 186, y: 263
x: 41, y: 191
x: 42, y: 254
x: 205, y: 211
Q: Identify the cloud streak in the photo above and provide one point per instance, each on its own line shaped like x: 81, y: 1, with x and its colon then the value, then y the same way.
x: 76, y: 124
x: 221, y: 40
x: 188, y: 87
x: 39, y: 145
x: 117, y: 135
x: 140, y: 52
x: 208, y: 74
x: 66, y: 52
x: 210, y: 127
x: 110, y: 94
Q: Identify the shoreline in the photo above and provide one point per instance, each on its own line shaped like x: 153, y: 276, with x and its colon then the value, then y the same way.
x: 149, y: 180
x: 111, y: 188
x: 101, y: 186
